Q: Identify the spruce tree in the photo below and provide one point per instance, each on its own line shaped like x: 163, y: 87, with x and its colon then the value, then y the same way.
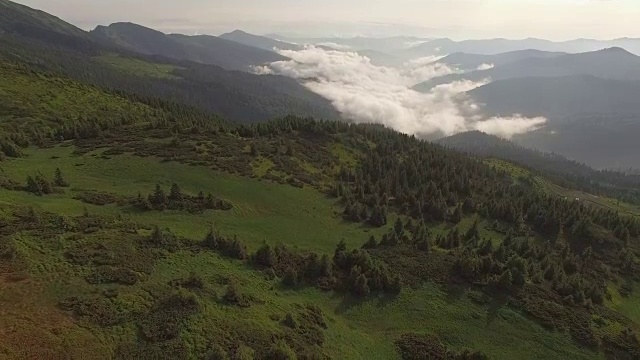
x: 59, y: 179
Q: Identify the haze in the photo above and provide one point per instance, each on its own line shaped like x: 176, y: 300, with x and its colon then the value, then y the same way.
x: 458, y: 19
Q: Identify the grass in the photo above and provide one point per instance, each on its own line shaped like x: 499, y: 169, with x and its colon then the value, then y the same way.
x: 30, y: 100
x: 263, y: 211
x: 139, y: 67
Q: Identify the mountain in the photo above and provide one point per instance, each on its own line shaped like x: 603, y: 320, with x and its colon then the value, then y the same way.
x: 601, y: 141
x: 24, y: 24
x: 612, y: 63
x: 562, y: 171
x: 16, y: 18
x: 471, y: 62
x: 260, y: 42
x: 136, y: 224
x: 381, y: 59
x: 204, y: 49
x: 49, y: 44
x: 497, y: 46
x: 107, y: 233
x: 389, y: 45
x: 559, y: 97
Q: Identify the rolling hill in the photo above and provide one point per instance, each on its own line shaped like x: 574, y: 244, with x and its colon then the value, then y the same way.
x: 203, y: 49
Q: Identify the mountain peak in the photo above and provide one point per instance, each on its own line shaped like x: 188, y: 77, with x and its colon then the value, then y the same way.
x: 616, y: 50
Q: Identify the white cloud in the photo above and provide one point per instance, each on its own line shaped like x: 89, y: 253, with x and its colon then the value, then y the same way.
x: 485, y: 67
x: 334, y: 45
x: 363, y: 92
x: 509, y: 126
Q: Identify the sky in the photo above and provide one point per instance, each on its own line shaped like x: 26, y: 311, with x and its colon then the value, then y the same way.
x: 458, y: 19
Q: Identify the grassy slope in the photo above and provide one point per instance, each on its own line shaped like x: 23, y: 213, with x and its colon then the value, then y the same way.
x: 263, y: 211
x: 30, y: 100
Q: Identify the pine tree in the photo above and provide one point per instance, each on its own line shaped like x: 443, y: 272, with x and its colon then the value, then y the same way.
x: 371, y: 243
x: 457, y: 215
x: 32, y: 186
x: 59, y: 179
x: 265, y: 256
x: 176, y: 193
x: 158, y: 200
x: 399, y: 227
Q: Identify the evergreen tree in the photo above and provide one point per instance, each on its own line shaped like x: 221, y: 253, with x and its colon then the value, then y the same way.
x: 59, y: 179
x: 176, y: 193
x: 371, y: 243
x: 399, y: 227
x: 265, y: 256
x: 457, y: 215
x: 158, y: 199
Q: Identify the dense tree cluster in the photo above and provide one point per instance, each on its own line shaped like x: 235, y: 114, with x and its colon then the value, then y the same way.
x: 178, y: 200
x: 350, y: 271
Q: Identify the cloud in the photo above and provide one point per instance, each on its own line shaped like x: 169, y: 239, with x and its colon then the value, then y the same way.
x: 366, y: 93
x: 510, y: 126
x: 485, y: 67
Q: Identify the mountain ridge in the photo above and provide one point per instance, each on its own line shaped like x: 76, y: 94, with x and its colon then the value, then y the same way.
x: 205, y: 49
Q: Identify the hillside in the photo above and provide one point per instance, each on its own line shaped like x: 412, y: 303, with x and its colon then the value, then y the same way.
x: 560, y: 97
x: 563, y: 172
x: 237, y: 96
x: 612, y: 63
x: 203, y: 49
x: 137, y: 224
x: 169, y: 233
x: 260, y: 42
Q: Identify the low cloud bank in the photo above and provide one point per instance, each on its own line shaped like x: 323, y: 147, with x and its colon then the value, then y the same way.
x: 363, y: 92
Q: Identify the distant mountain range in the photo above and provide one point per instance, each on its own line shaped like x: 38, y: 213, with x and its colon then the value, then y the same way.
x: 498, y: 46
x: 204, y: 49
x: 612, y: 63
x: 472, y: 62
x: 601, y: 141
x: 391, y: 45
x: 260, y: 42
x: 559, y: 97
